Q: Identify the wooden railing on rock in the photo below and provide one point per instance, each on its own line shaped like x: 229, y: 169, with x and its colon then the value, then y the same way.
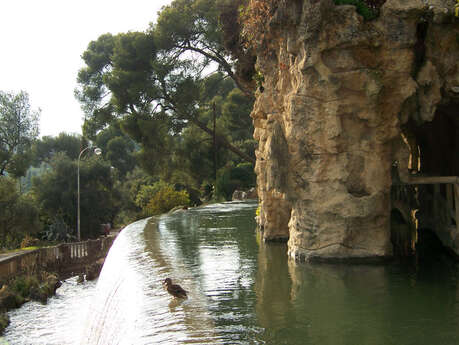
x: 66, y: 259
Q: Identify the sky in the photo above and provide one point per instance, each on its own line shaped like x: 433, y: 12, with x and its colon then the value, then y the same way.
x: 41, y: 43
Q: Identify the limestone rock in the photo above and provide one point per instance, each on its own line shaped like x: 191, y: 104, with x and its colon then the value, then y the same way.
x: 239, y: 195
x: 8, y: 300
x: 245, y: 195
x: 93, y: 270
x: 337, y: 91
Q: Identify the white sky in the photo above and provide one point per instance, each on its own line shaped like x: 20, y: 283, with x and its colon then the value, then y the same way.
x: 41, y: 43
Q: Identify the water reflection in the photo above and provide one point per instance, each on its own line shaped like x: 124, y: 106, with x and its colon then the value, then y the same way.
x: 244, y: 291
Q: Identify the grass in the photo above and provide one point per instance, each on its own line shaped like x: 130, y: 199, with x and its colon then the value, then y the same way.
x: 29, y: 248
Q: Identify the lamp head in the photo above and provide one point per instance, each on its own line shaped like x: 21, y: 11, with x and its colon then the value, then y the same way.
x: 97, y: 151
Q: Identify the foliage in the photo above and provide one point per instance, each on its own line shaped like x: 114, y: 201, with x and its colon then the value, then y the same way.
x: 4, y: 321
x: 164, y: 91
x: 28, y: 241
x: 196, y: 151
x: 368, y: 9
x: 18, y: 214
x: 117, y: 148
x: 59, y: 231
x: 26, y: 181
x: 192, y: 27
x: 56, y: 192
x: 231, y: 178
x: 127, y: 191
x: 23, y: 288
x: 255, y: 16
x: 161, y: 197
x: 19, y: 127
x: 165, y: 199
x: 169, y: 99
x: 23, y: 285
x: 147, y: 192
x: 259, y: 79
x: 45, y: 148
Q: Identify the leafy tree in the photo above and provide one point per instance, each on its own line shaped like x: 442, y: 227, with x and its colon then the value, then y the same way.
x: 45, y: 148
x: 18, y: 214
x: 173, y: 90
x: 196, y: 150
x: 117, y: 148
x: 18, y: 129
x: 156, y: 96
x: 56, y: 192
x: 128, y: 190
x: 196, y: 27
x: 147, y: 192
x: 236, y: 118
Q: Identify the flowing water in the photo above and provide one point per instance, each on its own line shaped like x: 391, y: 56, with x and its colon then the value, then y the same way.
x: 241, y: 291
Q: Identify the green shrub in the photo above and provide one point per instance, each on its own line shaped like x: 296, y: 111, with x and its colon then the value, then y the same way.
x: 367, y: 12
x: 23, y: 285
x: 147, y: 192
x: 4, y: 322
x: 59, y: 231
x: 165, y: 199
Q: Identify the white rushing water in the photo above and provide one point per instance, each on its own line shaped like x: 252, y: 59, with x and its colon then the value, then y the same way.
x: 59, y: 322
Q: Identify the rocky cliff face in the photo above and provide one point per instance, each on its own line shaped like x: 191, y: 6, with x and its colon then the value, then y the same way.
x: 343, y: 100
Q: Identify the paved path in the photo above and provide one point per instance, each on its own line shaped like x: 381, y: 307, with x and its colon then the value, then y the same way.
x: 5, y: 256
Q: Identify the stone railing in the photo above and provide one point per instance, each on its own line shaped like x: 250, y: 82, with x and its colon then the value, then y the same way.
x: 66, y: 259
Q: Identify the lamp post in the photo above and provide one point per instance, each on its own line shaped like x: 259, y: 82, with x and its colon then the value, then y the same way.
x: 97, y: 151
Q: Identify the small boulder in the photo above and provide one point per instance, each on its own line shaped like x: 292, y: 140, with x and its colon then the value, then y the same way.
x: 8, y: 300
x: 239, y: 195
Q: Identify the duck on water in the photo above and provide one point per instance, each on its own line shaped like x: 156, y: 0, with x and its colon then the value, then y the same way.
x: 174, y: 289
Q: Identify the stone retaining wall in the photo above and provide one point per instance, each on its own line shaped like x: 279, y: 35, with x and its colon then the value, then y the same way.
x: 66, y: 259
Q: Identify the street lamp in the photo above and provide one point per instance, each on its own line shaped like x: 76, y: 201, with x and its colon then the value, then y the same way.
x: 97, y: 151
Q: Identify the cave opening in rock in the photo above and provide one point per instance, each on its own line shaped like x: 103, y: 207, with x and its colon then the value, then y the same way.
x: 438, y: 142
x: 434, y: 147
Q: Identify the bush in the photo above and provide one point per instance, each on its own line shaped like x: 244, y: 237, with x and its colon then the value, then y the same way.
x: 29, y: 241
x: 59, y: 231
x: 147, y: 192
x: 23, y: 285
x: 165, y: 199
x: 4, y: 322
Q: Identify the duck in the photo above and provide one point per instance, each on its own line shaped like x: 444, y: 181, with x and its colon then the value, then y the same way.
x: 174, y: 289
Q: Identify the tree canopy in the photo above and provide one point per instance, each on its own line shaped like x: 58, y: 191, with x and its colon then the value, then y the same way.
x: 56, y: 193
x: 18, y: 129
x: 46, y: 147
x: 154, y: 95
